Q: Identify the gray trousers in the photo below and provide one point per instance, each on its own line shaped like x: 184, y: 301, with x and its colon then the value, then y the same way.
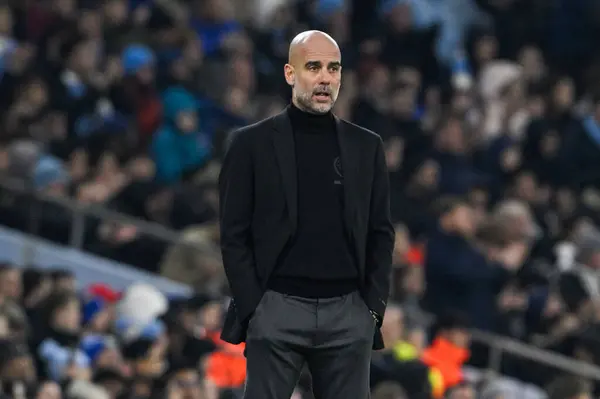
x: 332, y: 336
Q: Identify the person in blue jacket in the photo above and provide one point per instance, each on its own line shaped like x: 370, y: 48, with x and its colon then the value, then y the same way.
x: 179, y: 147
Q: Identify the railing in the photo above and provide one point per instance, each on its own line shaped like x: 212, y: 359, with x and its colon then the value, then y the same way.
x: 499, y: 346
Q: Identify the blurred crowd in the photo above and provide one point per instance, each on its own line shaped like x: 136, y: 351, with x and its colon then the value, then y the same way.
x: 58, y: 342
x: 490, y: 115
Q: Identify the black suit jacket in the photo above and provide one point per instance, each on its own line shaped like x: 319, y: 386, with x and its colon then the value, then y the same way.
x: 258, y: 213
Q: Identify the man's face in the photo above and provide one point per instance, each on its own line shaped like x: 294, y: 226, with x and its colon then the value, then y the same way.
x: 315, y: 75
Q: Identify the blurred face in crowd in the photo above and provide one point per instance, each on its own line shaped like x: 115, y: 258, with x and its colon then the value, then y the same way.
x: 6, y: 21
x: 114, y: 387
x: 37, y: 93
x: 188, y: 383
x: 463, y: 392
x: 187, y: 122
x: 68, y: 317
x: 79, y: 164
x: 403, y: 103
x: 428, y: 174
x: 394, y: 153
x: 379, y: 82
x: 10, y: 283
x: 532, y: 61
x: 314, y: 71
x: 550, y: 144
x: 210, y: 316
x: 115, y: 12
x: 400, y: 18
x: 486, y: 49
x: 84, y: 57
x: 451, y: 138
x: 461, y: 101
x: 526, y: 187
x: 64, y: 8
x: 479, y: 199
x: 110, y: 358
x: 413, y: 282
x: 408, y: 77
x: 90, y: 24
x: 563, y: 94
x: 142, y: 168
x: 236, y: 101
x: 462, y: 220
x: 242, y: 73
x: 459, y: 337
x: 108, y: 165
x: 216, y: 10
x: 49, y: 390
x: 65, y: 283
x: 145, y: 75
x: 192, y: 53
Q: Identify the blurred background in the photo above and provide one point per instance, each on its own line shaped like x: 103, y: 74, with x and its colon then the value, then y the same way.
x: 114, y: 118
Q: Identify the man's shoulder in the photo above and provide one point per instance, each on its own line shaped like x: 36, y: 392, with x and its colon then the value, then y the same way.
x: 252, y: 133
x: 257, y: 128
x: 360, y: 131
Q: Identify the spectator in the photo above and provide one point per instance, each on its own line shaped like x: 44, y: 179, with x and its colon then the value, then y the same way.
x: 449, y: 350
x: 179, y: 148
x: 60, y: 357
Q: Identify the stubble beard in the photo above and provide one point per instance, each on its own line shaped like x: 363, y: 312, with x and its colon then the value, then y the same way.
x: 305, y: 103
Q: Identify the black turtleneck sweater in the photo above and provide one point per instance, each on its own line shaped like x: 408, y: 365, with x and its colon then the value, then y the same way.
x: 318, y: 261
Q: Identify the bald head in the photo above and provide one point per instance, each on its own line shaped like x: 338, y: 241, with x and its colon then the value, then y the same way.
x: 314, y: 71
x: 310, y: 39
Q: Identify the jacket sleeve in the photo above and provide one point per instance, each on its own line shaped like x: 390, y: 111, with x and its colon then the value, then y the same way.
x: 380, y: 238
x: 236, y: 205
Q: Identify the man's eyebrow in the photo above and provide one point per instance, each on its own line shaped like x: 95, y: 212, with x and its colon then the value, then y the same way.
x: 333, y: 64
x: 313, y: 64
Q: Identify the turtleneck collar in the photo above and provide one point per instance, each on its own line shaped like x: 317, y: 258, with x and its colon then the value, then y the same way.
x: 305, y: 121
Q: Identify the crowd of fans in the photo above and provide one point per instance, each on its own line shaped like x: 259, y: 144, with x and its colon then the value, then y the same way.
x: 490, y: 114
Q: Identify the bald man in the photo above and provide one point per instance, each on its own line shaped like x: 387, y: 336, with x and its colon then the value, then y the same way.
x: 306, y: 237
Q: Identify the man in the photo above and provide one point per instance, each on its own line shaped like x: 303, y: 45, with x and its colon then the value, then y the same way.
x: 306, y: 237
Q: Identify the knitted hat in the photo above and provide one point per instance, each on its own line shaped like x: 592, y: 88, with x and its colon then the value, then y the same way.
x: 105, y: 292
x: 136, y: 57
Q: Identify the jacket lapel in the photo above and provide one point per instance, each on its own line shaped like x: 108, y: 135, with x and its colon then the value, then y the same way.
x: 349, y: 155
x: 285, y: 152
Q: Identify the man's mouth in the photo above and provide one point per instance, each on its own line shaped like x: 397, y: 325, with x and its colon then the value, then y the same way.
x: 322, y: 95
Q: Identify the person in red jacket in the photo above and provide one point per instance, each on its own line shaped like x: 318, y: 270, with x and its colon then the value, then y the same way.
x: 449, y: 349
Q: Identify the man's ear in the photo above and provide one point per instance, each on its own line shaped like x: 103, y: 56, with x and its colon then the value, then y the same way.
x: 290, y: 74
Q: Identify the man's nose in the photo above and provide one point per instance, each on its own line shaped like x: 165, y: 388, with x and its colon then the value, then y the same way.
x: 325, y: 78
